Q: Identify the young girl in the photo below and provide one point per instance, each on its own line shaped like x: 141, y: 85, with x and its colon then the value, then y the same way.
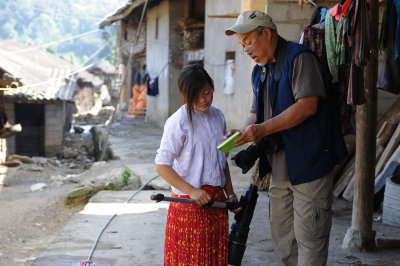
x: 190, y: 162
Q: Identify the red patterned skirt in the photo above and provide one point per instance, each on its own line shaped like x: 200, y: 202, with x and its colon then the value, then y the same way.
x: 195, y: 235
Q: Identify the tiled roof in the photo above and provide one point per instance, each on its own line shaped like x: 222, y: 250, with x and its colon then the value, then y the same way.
x: 43, y: 75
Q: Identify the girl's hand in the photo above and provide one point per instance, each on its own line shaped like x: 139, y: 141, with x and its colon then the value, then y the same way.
x: 200, y: 196
x: 233, y: 198
x: 230, y: 133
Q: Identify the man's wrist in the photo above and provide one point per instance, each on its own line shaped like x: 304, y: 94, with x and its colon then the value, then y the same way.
x: 233, y: 195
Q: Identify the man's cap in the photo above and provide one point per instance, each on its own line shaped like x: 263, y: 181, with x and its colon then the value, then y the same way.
x: 249, y: 20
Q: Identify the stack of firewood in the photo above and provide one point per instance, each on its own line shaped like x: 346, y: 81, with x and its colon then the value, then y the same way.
x: 387, y: 151
x: 193, y: 33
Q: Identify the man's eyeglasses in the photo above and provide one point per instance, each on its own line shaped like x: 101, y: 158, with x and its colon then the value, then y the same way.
x: 249, y: 50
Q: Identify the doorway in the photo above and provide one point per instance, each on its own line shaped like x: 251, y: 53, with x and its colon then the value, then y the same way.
x: 30, y: 141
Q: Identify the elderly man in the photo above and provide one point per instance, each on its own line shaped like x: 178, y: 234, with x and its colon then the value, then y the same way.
x: 290, y: 99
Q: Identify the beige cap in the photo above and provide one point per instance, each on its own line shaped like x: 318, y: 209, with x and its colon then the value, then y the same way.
x: 249, y: 20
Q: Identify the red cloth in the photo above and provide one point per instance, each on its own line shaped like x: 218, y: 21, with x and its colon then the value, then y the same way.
x: 195, y: 235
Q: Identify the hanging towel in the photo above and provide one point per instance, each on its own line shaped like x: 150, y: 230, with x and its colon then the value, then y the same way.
x: 330, y: 43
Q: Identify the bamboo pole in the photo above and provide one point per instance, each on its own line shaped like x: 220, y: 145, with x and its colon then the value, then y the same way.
x: 360, y: 236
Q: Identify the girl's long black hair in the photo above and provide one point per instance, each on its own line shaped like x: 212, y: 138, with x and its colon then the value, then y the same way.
x: 191, y: 81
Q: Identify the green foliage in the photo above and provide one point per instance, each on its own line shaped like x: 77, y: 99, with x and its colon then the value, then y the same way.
x: 41, y: 22
x: 126, y: 174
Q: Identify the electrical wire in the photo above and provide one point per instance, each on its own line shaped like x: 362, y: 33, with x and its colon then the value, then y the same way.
x: 55, y: 42
x: 54, y: 11
x: 88, y: 262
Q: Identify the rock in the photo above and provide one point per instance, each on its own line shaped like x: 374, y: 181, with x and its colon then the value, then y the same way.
x: 2, y: 176
x: 34, y: 169
x: 69, y: 153
x: 12, y: 163
x: 79, y: 197
x: 102, y: 150
x: 78, y: 130
x: 21, y: 158
x: 38, y: 187
x: 159, y: 184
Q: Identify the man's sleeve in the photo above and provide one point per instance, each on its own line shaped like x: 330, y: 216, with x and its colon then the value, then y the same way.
x: 307, y: 79
x: 253, y: 108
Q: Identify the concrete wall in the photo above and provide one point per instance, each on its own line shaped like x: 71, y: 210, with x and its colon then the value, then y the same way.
x: 164, y: 58
x: 235, y: 106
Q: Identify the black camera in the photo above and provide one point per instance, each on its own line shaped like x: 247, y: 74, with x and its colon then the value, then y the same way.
x: 241, y: 227
x: 245, y: 159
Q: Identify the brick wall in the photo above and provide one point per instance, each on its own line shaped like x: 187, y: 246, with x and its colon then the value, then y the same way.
x: 10, y: 111
x: 290, y: 18
x: 54, y: 127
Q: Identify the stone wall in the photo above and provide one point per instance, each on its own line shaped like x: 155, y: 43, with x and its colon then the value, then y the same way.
x: 55, y: 119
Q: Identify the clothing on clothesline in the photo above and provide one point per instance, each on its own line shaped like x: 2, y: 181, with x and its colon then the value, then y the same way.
x: 360, y: 32
x: 389, y: 78
x: 318, y: 15
x: 314, y: 38
x: 152, y: 87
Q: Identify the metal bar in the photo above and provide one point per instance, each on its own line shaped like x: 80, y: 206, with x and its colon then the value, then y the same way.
x: 213, y: 204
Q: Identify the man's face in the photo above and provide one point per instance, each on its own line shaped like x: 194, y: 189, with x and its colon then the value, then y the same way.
x: 257, y: 45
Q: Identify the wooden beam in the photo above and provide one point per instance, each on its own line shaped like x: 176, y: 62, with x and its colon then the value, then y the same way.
x: 361, y: 236
x: 224, y: 16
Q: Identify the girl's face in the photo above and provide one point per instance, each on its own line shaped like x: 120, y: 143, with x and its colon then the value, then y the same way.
x: 204, y: 100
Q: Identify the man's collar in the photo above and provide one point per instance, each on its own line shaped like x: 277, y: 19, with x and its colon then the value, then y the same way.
x: 278, y: 46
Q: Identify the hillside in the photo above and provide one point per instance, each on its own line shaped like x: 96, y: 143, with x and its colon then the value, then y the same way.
x: 68, y: 28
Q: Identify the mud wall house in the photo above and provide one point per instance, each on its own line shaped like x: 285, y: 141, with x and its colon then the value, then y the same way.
x: 107, y: 73
x: 130, y: 48
x: 89, y: 85
x: 160, y: 47
x: 42, y: 103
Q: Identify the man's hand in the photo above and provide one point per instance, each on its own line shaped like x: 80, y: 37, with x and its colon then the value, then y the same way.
x: 234, y: 199
x: 252, y: 133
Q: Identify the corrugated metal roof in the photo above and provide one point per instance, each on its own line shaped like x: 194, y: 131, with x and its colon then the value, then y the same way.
x: 43, y: 75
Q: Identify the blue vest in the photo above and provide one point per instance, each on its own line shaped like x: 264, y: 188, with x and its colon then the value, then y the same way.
x: 315, y: 146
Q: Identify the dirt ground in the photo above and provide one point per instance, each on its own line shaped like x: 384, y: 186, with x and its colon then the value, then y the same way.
x: 31, y: 220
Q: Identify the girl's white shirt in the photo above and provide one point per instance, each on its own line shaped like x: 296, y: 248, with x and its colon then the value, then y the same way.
x: 190, y: 148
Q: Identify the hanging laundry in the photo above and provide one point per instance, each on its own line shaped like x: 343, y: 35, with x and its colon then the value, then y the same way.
x: 361, y: 43
x: 397, y: 39
x: 318, y: 15
x: 389, y: 78
x: 229, y: 77
x: 314, y: 38
x: 152, y: 87
x: 137, y: 104
x: 330, y: 43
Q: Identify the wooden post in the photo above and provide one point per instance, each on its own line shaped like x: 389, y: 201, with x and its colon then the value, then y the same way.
x: 360, y: 236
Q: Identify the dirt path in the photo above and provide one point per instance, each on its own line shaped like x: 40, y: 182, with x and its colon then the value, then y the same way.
x: 31, y: 219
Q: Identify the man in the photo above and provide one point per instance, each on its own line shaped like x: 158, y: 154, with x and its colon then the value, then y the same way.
x: 291, y: 100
